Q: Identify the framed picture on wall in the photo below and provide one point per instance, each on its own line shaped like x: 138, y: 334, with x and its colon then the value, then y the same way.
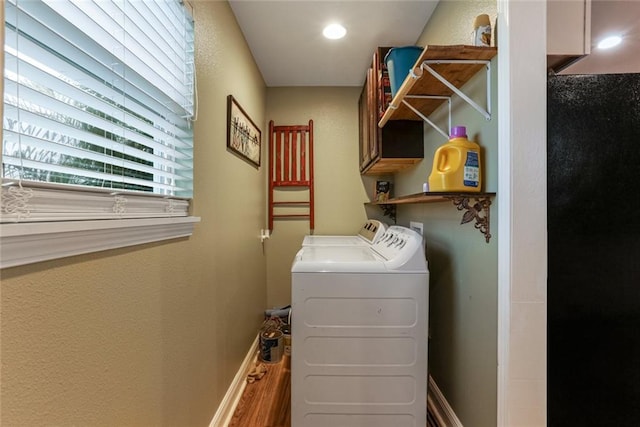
x: 243, y: 136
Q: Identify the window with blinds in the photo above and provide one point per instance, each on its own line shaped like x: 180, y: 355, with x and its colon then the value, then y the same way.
x: 98, y: 109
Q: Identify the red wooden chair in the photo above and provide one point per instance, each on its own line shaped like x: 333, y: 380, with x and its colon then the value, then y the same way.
x: 290, y: 166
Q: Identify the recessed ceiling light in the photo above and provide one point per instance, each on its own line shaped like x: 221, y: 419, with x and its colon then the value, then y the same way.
x: 334, y: 31
x: 609, y: 42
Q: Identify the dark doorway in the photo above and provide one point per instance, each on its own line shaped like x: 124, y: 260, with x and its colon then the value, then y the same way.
x: 593, y: 214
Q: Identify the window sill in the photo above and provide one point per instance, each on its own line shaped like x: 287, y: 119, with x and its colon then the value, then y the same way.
x: 26, y: 243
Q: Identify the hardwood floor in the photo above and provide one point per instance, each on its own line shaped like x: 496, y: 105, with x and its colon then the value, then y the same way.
x: 267, y: 402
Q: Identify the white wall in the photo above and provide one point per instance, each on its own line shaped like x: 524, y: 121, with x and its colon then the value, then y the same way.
x: 522, y: 207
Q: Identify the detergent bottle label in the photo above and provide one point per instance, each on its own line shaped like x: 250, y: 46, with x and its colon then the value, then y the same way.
x: 471, y: 175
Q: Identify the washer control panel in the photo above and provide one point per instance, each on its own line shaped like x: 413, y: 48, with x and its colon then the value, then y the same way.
x: 395, y: 241
x: 371, y: 230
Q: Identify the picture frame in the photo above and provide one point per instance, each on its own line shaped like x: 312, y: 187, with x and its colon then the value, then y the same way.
x: 244, y: 137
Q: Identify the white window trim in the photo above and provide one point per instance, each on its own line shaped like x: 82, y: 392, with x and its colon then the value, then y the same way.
x: 26, y: 243
x: 96, y: 227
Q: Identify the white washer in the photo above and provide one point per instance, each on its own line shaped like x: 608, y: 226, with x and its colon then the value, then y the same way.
x: 359, y: 334
x: 370, y: 231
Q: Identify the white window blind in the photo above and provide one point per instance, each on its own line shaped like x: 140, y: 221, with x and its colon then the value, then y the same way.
x: 98, y: 110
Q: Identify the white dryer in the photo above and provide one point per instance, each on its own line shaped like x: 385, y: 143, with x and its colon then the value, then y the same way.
x: 370, y: 231
x: 359, y: 334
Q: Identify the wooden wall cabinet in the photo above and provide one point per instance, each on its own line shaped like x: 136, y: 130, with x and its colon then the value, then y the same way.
x: 568, y: 32
x: 397, y: 145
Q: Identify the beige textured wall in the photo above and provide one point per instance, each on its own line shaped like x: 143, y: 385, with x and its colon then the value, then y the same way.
x: 452, y: 21
x: 339, y: 190
x: 463, y: 279
x: 151, y: 335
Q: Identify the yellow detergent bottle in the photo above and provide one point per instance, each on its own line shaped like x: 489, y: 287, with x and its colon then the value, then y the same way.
x: 456, y: 164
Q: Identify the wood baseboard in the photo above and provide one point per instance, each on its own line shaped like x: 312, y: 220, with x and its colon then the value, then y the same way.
x: 439, y: 408
x: 230, y: 401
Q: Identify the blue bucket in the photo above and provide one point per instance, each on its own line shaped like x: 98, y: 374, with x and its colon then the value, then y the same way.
x: 400, y: 60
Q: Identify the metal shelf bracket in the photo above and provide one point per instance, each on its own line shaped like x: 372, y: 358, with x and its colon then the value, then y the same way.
x: 425, y: 118
x: 486, y: 112
x: 478, y: 211
x: 390, y: 211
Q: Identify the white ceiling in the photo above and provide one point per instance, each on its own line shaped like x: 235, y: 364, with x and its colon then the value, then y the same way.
x: 285, y: 37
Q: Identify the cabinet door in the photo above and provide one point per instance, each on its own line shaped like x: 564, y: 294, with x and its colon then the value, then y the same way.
x: 568, y: 31
x: 363, y: 109
x: 568, y: 27
x: 374, y: 130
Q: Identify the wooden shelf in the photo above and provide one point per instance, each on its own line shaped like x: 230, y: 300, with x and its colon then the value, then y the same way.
x: 425, y: 84
x: 389, y: 166
x: 432, y: 197
x: 477, y: 210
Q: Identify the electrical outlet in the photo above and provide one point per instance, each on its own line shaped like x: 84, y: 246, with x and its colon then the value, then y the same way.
x: 417, y: 227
